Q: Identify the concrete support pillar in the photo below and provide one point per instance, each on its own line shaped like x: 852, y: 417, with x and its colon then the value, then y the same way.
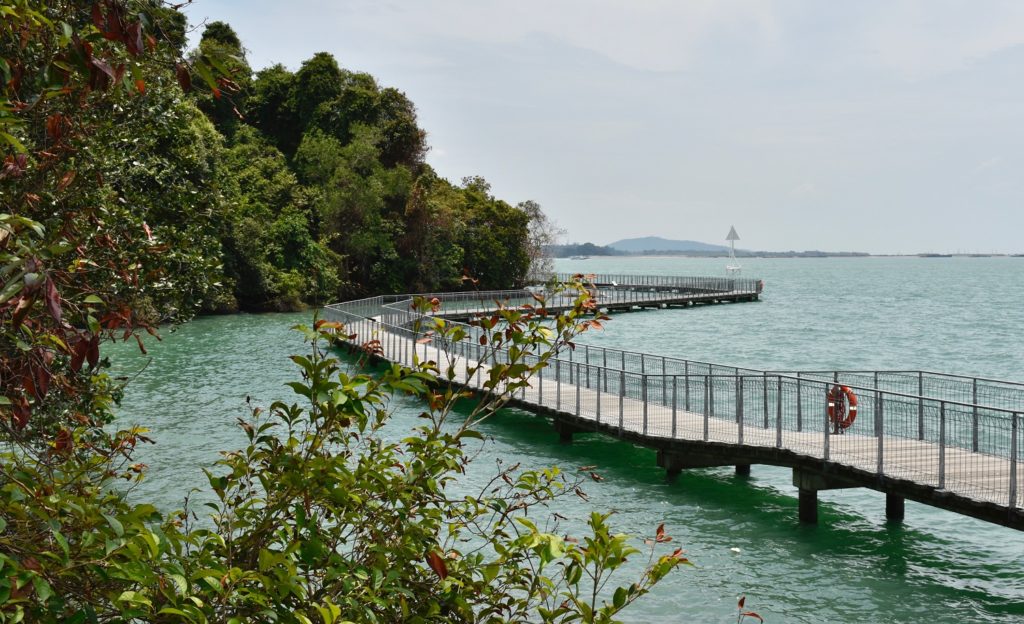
x: 565, y: 431
x: 743, y: 470
x: 894, y: 508
x: 809, y: 483
x: 809, y: 506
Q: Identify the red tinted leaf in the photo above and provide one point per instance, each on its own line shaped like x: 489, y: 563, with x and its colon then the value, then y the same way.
x: 104, y: 67
x: 660, y: 533
x: 133, y: 38
x: 140, y: 86
x: 20, y: 311
x: 42, y: 381
x: 64, y: 441
x: 65, y: 180
x: 753, y: 615
x: 142, y: 347
x: 92, y: 353
x: 97, y: 16
x: 78, y: 354
x: 483, y: 340
x: 21, y: 412
x: 437, y: 564
x: 29, y: 384
x: 184, y: 76
x: 52, y: 298
x: 743, y: 600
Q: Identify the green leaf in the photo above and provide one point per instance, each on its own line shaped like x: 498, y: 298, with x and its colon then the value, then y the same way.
x: 43, y: 589
x: 115, y: 524
x: 619, y: 599
x: 15, y: 143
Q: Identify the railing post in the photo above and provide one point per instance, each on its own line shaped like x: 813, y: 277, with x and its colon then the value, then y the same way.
x: 540, y: 385
x: 880, y: 429
x: 558, y: 385
x: 599, y: 392
x: 827, y: 428
x: 942, y: 445
x: 1013, y: 461
x: 707, y: 406
x: 577, y: 388
x: 622, y: 397
x: 664, y: 386
x: 739, y: 409
x: 643, y: 380
x: 711, y: 397
x: 974, y: 416
x: 799, y: 405
x: 604, y: 353
x: 764, y: 392
x: 675, y: 379
x: 737, y: 385
x: 778, y: 413
x: 686, y: 390
x: 586, y: 352
x: 920, y: 405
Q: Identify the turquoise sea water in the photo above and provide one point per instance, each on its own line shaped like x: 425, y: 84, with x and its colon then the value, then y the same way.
x: 962, y: 315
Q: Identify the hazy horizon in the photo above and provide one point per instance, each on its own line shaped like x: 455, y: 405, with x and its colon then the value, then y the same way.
x: 873, y: 126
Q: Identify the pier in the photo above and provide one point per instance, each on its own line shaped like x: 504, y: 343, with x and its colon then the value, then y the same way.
x: 949, y: 441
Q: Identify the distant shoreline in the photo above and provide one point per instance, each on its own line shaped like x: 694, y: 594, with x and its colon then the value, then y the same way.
x: 784, y: 255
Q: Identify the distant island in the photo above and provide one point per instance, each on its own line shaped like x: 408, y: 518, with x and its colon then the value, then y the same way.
x: 664, y: 245
x: 655, y: 245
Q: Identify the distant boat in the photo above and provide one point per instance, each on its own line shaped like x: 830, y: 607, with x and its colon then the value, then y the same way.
x: 934, y: 255
x: 579, y: 257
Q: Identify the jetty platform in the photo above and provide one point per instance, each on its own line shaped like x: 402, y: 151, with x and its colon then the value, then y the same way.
x: 950, y: 441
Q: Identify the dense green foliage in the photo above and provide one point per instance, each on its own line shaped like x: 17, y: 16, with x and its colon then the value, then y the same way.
x: 124, y: 205
x: 346, y: 157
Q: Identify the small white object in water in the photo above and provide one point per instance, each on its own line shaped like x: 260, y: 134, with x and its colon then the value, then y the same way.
x: 734, y: 549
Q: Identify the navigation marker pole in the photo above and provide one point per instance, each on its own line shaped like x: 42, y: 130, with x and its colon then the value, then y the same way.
x: 733, y: 266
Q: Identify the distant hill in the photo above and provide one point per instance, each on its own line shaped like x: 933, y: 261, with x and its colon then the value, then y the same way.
x: 656, y: 243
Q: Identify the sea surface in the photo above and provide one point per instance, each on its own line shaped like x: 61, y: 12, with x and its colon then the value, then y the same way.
x: 958, y: 315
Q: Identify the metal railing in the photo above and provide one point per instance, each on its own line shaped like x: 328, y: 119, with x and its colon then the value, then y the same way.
x: 931, y: 428
x: 682, y: 283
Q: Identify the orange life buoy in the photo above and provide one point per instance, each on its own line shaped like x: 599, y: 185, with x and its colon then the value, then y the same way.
x: 842, y: 406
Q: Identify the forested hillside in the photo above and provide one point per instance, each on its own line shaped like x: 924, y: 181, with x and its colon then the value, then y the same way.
x: 327, y: 193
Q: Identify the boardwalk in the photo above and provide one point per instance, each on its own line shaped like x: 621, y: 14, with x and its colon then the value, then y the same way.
x: 948, y: 441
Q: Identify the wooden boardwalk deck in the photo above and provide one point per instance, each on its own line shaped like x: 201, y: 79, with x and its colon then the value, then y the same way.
x: 906, y: 446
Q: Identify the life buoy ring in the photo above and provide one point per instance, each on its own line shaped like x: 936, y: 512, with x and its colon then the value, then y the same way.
x: 842, y: 407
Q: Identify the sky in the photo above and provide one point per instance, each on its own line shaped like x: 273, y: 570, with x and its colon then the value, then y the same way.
x: 880, y: 126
